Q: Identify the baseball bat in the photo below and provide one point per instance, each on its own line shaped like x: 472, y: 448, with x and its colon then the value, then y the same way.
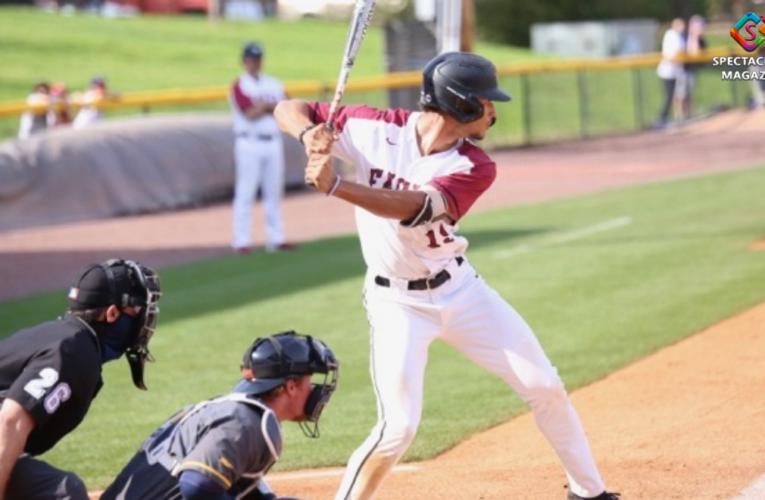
x: 363, y: 11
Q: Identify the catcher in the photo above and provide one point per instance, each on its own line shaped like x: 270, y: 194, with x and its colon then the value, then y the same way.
x: 221, y: 448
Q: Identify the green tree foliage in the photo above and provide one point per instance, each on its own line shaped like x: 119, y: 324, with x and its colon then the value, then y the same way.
x: 509, y: 21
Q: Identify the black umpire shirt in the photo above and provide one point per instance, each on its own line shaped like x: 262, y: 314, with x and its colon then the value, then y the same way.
x: 53, y: 370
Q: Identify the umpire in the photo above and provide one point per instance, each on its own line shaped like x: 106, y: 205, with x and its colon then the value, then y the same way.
x: 221, y: 448
x: 50, y: 373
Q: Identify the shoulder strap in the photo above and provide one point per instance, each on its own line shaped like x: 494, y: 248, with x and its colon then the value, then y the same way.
x: 158, y: 450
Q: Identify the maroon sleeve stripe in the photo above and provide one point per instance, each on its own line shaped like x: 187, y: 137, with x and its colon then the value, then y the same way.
x: 313, y: 113
x: 242, y: 101
x: 319, y: 112
x: 465, y: 187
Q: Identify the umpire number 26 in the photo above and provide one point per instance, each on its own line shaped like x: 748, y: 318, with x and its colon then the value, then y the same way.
x: 37, y: 387
x: 433, y: 238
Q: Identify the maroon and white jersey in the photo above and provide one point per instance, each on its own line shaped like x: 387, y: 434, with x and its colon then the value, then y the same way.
x: 247, y: 90
x: 382, y: 144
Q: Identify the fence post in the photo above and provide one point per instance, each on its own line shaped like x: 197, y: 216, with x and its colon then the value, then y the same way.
x: 734, y: 93
x: 526, y: 100
x: 583, y: 108
x: 637, y: 96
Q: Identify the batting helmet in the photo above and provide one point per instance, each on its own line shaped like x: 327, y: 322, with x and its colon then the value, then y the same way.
x: 269, y: 362
x: 455, y: 81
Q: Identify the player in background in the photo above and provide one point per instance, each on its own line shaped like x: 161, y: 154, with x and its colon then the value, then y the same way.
x: 258, y: 153
x: 50, y: 373
x: 90, y: 113
x: 221, y: 448
x: 34, y: 122
x: 417, y: 175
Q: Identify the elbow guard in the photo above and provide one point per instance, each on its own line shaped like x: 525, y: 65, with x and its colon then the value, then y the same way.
x: 434, y: 208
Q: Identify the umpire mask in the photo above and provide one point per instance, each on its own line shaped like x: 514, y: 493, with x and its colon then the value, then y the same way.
x: 138, y: 353
x: 123, y: 283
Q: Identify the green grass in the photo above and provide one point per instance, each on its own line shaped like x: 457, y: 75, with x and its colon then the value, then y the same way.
x: 159, y: 52
x: 178, y: 52
x: 187, y: 52
x: 596, y: 304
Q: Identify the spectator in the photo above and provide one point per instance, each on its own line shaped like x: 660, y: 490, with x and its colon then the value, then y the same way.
x: 90, y: 113
x: 60, y: 112
x: 258, y: 153
x: 35, y: 121
x: 695, y: 45
x: 758, y: 85
x: 669, y: 70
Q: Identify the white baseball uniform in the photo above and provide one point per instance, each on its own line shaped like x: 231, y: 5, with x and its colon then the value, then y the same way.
x: 88, y: 113
x: 33, y: 123
x: 406, y: 312
x: 259, y: 156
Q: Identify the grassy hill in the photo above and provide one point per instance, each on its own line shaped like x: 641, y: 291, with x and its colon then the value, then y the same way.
x: 164, y: 52
x: 172, y: 52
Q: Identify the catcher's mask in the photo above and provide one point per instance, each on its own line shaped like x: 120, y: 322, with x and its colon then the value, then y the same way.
x: 123, y: 283
x: 270, y: 361
x: 455, y: 81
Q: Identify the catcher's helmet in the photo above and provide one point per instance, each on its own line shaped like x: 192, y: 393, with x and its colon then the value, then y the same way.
x: 454, y: 81
x: 123, y: 283
x: 269, y: 362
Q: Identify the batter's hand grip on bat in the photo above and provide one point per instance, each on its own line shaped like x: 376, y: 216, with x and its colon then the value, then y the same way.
x: 330, y: 125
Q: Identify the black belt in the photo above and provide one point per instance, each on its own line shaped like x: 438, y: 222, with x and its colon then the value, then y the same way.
x: 260, y: 137
x: 423, y: 283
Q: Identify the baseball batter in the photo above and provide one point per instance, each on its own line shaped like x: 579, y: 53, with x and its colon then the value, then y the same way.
x: 417, y: 175
x: 258, y: 152
x: 221, y: 448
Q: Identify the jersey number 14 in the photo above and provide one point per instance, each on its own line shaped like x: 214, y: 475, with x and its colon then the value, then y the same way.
x: 433, y: 243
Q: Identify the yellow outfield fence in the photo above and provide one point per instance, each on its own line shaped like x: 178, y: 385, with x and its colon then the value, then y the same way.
x: 411, y: 79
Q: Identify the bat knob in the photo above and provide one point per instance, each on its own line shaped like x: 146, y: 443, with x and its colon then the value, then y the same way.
x: 309, y: 183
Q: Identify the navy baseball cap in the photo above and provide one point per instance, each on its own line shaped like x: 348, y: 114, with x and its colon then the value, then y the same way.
x: 98, y: 81
x: 252, y: 49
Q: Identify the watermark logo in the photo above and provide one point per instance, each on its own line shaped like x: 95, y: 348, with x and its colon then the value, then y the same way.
x: 745, y: 34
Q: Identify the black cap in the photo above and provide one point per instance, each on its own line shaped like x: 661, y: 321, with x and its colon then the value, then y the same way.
x: 101, y: 285
x: 252, y: 49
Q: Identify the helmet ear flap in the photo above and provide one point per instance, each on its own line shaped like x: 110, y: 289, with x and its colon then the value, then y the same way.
x: 469, y: 109
x: 428, y: 91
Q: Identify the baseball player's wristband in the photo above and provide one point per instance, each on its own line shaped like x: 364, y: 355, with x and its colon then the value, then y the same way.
x: 334, y: 186
x: 302, y: 132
